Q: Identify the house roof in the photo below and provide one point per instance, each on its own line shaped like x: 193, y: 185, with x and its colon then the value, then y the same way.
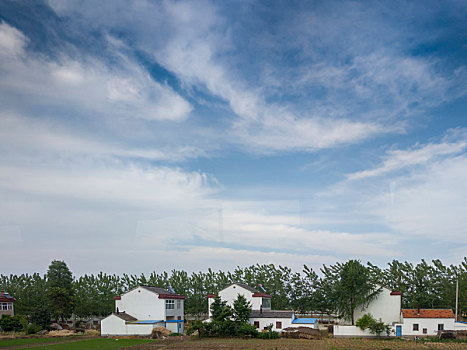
x: 305, y: 320
x: 5, y: 297
x: 124, y: 316
x: 256, y: 293
x: 163, y: 293
x: 271, y: 314
x: 157, y: 290
x: 427, y: 313
x: 147, y: 322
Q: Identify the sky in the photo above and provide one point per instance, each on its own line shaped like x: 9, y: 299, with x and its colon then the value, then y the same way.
x: 140, y: 136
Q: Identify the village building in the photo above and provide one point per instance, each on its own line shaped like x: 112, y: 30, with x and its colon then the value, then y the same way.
x: 261, y: 316
x: 6, y: 304
x: 403, y: 322
x: 424, y: 322
x: 140, y: 310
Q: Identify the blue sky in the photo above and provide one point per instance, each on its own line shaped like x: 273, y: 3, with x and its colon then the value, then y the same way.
x: 152, y: 135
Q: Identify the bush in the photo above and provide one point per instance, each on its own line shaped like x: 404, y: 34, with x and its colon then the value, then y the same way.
x: 367, y: 321
x: 245, y: 329
x: 9, y: 324
x: 175, y: 334
x: 33, y: 328
x: 268, y: 335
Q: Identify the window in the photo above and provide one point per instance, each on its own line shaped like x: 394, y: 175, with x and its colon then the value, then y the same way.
x: 415, y: 326
x: 179, y: 303
x: 10, y: 306
x: 169, y: 304
x: 425, y: 331
x: 266, y: 303
x: 278, y: 325
x: 4, y: 306
x: 256, y: 323
x: 179, y: 317
x: 441, y: 327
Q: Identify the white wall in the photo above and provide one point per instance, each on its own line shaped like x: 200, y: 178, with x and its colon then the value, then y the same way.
x: 231, y: 293
x: 178, y: 311
x: 458, y: 326
x: 113, y: 325
x: 145, y: 305
x: 431, y: 325
x: 354, y: 331
x: 385, y: 307
x: 264, y: 322
x: 141, y: 329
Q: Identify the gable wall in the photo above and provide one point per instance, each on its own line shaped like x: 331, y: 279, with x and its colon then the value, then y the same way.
x: 385, y: 307
x: 142, y: 304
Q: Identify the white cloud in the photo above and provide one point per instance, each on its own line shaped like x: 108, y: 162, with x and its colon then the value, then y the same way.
x: 429, y: 204
x: 401, y: 159
x: 23, y: 137
x: 12, y: 41
x: 84, y: 84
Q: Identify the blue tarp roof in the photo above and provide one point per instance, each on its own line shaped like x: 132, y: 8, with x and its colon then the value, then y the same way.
x: 148, y: 321
x: 305, y: 320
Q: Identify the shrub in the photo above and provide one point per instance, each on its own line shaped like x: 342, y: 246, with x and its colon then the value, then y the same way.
x: 367, y: 321
x: 32, y: 328
x: 175, y: 334
x: 9, y: 323
x: 245, y: 329
x: 268, y: 335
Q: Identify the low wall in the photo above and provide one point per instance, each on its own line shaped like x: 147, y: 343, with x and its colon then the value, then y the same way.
x: 354, y: 332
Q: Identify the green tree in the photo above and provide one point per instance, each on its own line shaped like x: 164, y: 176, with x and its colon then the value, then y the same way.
x: 60, y: 290
x: 241, y: 309
x: 348, y: 286
x: 367, y: 321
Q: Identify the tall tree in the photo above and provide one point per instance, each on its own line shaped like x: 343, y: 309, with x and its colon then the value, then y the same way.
x: 349, y: 286
x: 241, y: 309
x: 60, y: 290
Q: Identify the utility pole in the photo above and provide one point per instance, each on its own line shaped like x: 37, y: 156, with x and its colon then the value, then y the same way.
x: 457, y: 296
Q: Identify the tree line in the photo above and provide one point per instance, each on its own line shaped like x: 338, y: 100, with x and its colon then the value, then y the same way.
x: 58, y: 294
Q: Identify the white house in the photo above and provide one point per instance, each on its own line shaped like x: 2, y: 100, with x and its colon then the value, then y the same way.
x: 385, y: 307
x: 143, y: 308
x: 403, y: 322
x: 425, y: 322
x: 261, y: 314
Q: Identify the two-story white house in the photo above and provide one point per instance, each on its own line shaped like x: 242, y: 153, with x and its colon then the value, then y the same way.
x: 261, y: 314
x: 140, y: 310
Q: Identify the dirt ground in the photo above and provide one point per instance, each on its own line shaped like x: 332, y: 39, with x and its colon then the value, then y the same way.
x: 295, y: 344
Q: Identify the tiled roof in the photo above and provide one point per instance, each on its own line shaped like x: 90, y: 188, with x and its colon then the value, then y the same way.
x: 157, y: 290
x: 124, y: 316
x: 247, y: 287
x: 427, y: 313
x: 271, y: 314
x: 5, y: 297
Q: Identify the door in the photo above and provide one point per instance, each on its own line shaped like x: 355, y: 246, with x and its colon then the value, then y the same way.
x: 398, y: 331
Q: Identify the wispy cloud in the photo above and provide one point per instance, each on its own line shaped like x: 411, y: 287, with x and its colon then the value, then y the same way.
x: 419, y: 155
x: 84, y: 83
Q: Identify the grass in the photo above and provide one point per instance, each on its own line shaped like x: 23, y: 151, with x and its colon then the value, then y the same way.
x: 74, y: 343
x: 97, y: 344
x: 26, y: 341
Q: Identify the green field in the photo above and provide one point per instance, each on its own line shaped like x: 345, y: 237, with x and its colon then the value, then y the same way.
x: 26, y: 341
x: 72, y: 343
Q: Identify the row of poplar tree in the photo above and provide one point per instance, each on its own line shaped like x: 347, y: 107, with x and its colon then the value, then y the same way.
x: 58, y: 294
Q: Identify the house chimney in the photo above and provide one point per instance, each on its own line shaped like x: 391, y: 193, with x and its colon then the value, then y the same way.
x: 418, y: 311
